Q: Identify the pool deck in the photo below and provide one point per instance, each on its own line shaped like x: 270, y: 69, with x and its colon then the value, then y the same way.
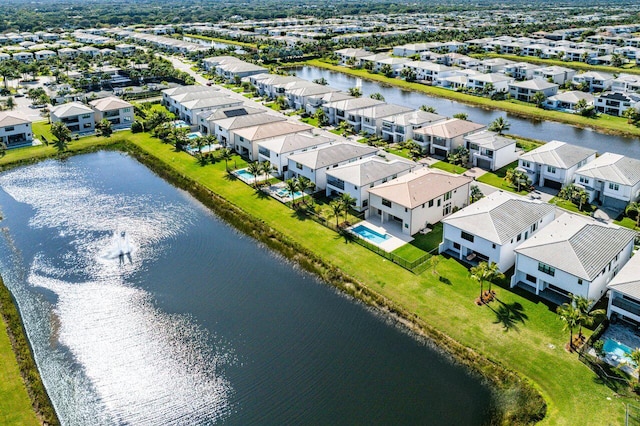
x: 396, y: 237
x: 626, y: 335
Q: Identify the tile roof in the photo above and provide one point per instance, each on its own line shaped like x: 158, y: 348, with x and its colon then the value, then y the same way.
x: 613, y: 168
x: 11, y: 119
x: 558, y: 154
x: 333, y: 154
x: 450, y: 129
x: 271, y: 130
x: 489, y: 140
x: 248, y: 120
x: 70, y: 110
x: 578, y: 245
x: 627, y: 281
x: 109, y: 104
x: 295, y: 141
x: 368, y: 170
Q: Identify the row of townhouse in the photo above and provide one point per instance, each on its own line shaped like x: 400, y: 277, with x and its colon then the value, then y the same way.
x: 66, y: 53
x: 81, y: 118
x: 230, y: 67
x: 554, y: 253
x: 611, y: 180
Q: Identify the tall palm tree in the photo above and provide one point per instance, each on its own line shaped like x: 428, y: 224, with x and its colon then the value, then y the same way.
x: 255, y: 169
x: 266, y: 168
x: 635, y: 357
x: 570, y: 316
x: 587, y: 317
x: 633, y: 207
x: 62, y: 135
x: 226, y: 155
x: 305, y: 183
x: 292, y: 187
x: 426, y: 108
x: 517, y: 178
x: 336, y: 208
x: 485, y: 272
x: 347, y: 202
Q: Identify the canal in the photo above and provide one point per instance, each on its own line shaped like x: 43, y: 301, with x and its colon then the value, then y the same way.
x: 543, y: 130
x: 142, y: 307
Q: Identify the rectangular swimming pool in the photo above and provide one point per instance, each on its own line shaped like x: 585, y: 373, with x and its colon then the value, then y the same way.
x: 370, y: 234
x: 618, y: 349
x: 245, y: 174
x: 284, y: 193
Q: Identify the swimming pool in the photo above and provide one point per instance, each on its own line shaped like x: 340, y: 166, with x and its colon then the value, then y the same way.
x: 618, y: 349
x: 244, y: 174
x: 194, y: 135
x: 180, y: 124
x: 370, y: 234
x: 284, y: 193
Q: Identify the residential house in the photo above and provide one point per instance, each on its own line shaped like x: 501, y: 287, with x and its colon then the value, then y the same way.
x: 429, y: 71
x: 615, y: 103
x: 400, y: 127
x: 42, y: 55
x: 395, y: 64
x: 171, y: 98
x: 307, y: 96
x: 574, y: 254
x: 489, y: 83
x: 595, y: 81
x: 206, y: 121
x: 554, y: 164
x: 358, y: 177
x: 490, y: 229
x: 343, y: 110
x: 411, y: 49
x: 567, y: 101
x: 78, y: 117
x: 224, y: 128
x: 626, y: 83
x: 89, y: 50
x: 624, y: 293
x: 278, y: 150
x: 555, y: 74
x: 441, y: 138
x: 238, y: 69
x: 494, y: 65
x: 118, y: 112
x: 350, y: 56
x: 245, y: 141
x: 418, y: 199
x: 192, y: 107
x: 372, y: 117
x: 612, y: 180
x: 15, y: 130
x: 23, y: 57
x: 526, y: 90
x: 490, y: 151
x: 67, y: 52
x: 125, y: 49
x: 211, y: 63
x: 521, y: 70
x: 314, y: 164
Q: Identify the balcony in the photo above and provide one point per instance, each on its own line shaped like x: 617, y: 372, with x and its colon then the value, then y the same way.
x: 439, y: 142
x: 627, y: 305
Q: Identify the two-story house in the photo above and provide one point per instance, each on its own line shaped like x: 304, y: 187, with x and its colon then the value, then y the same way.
x: 441, y: 138
x: 526, y: 90
x: 78, y: 117
x: 489, y: 150
x: 15, y: 130
x: 278, y: 150
x: 615, y: 103
x: 400, y: 127
x: 118, y: 112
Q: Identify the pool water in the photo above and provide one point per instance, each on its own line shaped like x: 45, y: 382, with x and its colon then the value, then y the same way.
x: 619, y: 349
x: 370, y: 234
x: 245, y: 174
x: 194, y: 135
x: 284, y: 193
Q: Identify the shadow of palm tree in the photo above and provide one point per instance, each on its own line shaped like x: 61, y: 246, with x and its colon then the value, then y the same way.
x: 230, y: 176
x: 261, y: 195
x: 509, y: 315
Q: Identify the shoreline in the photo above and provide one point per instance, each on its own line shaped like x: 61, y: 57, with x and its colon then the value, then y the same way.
x: 530, y: 112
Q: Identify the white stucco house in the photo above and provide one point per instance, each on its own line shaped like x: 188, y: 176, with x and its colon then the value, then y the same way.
x: 567, y: 101
x: 278, y: 150
x: 442, y: 137
x: 418, y: 199
x: 554, y: 163
x: 245, y: 141
x: 78, y: 117
x: 358, y: 177
x: 526, y: 90
x: 15, y: 130
x: 400, y: 127
x: 117, y: 111
x: 611, y: 179
x: 491, y: 151
x: 624, y: 292
x: 314, y: 164
x: 574, y: 254
x: 490, y: 229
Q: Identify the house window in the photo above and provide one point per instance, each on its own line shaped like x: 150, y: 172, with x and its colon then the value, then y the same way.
x: 447, y: 196
x: 467, y: 236
x: 456, y: 246
x: 126, y: 110
x: 365, y: 203
x: 551, y: 169
x: 9, y: 129
x: 493, y: 245
x: 386, y: 202
x: 526, y: 164
x: 439, y: 202
x: 534, y: 227
x: 519, y: 237
x: 430, y: 203
x: 531, y: 278
x: 614, y: 186
x: 298, y: 166
x: 85, y: 116
x: 549, y: 270
x: 241, y: 139
x: 580, y: 281
x: 584, y: 180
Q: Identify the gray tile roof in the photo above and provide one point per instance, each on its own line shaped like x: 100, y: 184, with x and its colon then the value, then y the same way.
x: 500, y: 216
x: 613, y: 168
x: 333, y: 154
x: 294, y: 142
x: 369, y: 170
x: 628, y: 279
x: 12, y: 119
x: 558, y: 154
x: 489, y: 140
x: 577, y: 245
x: 250, y: 120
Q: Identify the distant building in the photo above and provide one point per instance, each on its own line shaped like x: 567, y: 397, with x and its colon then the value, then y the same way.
x: 15, y: 130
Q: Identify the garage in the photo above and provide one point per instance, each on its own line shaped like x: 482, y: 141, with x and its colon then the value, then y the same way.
x: 483, y: 163
x: 552, y: 184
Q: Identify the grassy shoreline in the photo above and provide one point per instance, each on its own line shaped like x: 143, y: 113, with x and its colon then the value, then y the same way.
x: 604, y: 123
x: 525, y: 360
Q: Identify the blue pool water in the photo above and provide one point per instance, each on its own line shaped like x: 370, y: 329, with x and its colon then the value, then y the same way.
x: 245, y: 174
x: 284, y: 193
x: 618, y: 349
x: 194, y: 135
x: 370, y: 234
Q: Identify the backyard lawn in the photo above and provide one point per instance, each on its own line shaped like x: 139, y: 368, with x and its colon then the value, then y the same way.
x: 449, y: 167
x: 422, y: 245
x: 530, y: 343
x: 497, y: 179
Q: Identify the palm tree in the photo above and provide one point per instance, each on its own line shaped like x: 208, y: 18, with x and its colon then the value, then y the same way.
x: 62, y: 135
x: 426, y: 108
x: 475, y: 193
x: 587, y: 317
x: 305, y: 183
x: 517, y: 178
x: 345, y: 128
x: 347, y: 202
x: 633, y: 207
x: 499, y: 125
x: 255, y: 169
x: 355, y: 92
x: 570, y: 315
x: 226, y: 155
x: 635, y: 357
x: 266, y: 168
x: 415, y: 150
x: 377, y: 96
x: 10, y: 103
x: 336, y: 208
x: 292, y: 187
x: 321, y: 116
x: 538, y: 98
x: 461, y: 116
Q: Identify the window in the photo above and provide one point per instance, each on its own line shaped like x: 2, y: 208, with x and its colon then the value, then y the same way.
x: 584, y: 180
x: 430, y: 203
x: 493, y: 245
x: 551, y: 169
x: 549, y: 270
x: 9, y: 129
x: 447, y: 196
x: 614, y: 186
x: 519, y: 237
x: 456, y: 246
x: 365, y: 203
x: 241, y: 139
x: 298, y: 166
x: 439, y: 202
x: 466, y: 236
x: 534, y: 227
x: 531, y: 278
x: 126, y: 110
x: 85, y: 116
x: 386, y: 202
x: 580, y: 281
x: 526, y: 164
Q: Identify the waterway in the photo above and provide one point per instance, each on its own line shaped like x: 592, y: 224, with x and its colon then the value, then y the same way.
x: 143, y: 308
x: 535, y: 129
x: 215, y: 44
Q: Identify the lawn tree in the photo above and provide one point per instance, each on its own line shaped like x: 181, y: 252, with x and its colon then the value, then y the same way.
x: 538, y: 99
x: 10, y: 103
x: 427, y: 108
x: 377, y: 96
x: 632, y: 115
x: 345, y: 128
x: 570, y: 315
x: 475, y: 193
x: 635, y: 357
x: 459, y: 156
x: 336, y: 209
x: 574, y: 193
x: 255, y: 169
x: 226, y: 154
x: 586, y: 318
x: 499, y: 125
x: 266, y: 168
x: 347, y: 202
x: 62, y: 135
x: 461, y: 116
x: 415, y: 150
x: 292, y: 187
x: 517, y: 178
x: 633, y: 208
x: 355, y: 92
x: 408, y: 74
x: 386, y: 70
x: 103, y: 128
x: 322, y: 117
x: 304, y: 183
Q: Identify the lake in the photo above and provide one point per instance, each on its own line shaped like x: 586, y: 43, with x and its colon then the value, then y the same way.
x: 535, y: 129
x: 144, y: 308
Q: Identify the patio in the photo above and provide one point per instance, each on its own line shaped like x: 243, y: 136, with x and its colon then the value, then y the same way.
x: 392, y: 229
x: 621, y: 333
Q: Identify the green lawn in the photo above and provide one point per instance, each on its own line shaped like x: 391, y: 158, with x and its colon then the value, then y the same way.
x: 627, y: 222
x: 421, y: 245
x: 497, y: 179
x: 449, y: 167
x: 605, y: 123
x: 442, y: 297
x: 312, y: 121
x: 587, y: 209
x: 15, y: 404
x: 400, y: 152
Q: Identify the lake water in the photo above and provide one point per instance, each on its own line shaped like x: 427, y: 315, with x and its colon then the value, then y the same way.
x: 182, y: 320
x: 543, y: 130
x: 214, y: 44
